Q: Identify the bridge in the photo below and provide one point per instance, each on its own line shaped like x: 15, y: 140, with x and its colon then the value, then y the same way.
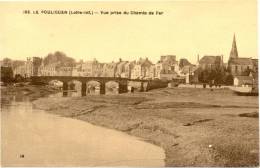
x: 122, y: 82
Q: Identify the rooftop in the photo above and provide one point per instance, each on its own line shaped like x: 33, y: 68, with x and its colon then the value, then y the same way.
x: 241, y: 61
x: 209, y: 59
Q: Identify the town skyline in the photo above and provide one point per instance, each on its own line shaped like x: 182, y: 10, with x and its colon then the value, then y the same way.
x: 198, y: 57
x: 208, y: 31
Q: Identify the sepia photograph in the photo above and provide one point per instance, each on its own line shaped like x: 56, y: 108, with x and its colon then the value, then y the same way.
x: 129, y: 83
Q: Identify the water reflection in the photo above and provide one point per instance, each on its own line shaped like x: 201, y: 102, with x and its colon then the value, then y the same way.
x: 92, y: 88
x: 31, y: 137
x: 79, y: 93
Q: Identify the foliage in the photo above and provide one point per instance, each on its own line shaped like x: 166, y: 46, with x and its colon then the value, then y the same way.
x: 6, y: 74
x: 7, y: 62
x: 18, y: 78
x: 229, y: 79
x: 215, y: 76
x: 37, y: 61
x: 60, y: 58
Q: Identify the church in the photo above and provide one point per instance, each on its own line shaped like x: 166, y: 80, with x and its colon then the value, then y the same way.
x: 239, y: 66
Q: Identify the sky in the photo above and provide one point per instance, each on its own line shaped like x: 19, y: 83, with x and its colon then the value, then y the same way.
x: 185, y: 29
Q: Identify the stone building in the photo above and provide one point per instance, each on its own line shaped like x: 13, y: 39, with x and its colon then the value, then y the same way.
x: 167, y: 67
x: 128, y: 69
x: 152, y: 72
x: 88, y: 68
x: 109, y: 69
x: 77, y: 70
x: 63, y: 71
x: 211, y: 62
x: 240, y: 66
x: 141, y: 69
x: 120, y: 70
x: 47, y: 70
x: 188, y: 72
x: 92, y: 68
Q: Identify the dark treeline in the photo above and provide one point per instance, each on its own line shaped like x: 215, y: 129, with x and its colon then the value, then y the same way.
x: 7, y: 76
x: 218, y: 76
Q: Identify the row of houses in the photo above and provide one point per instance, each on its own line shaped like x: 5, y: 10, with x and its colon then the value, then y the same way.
x: 166, y: 68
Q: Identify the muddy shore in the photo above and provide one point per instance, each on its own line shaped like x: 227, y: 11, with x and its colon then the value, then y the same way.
x: 195, y: 127
x: 30, y: 92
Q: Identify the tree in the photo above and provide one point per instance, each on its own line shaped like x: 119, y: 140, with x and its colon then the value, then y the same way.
x: 203, y: 76
x: 212, y: 75
x: 6, y: 74
x: 59, y: 58
x: 7, y: 62
x: 18, y: 78
x: 229, y: 80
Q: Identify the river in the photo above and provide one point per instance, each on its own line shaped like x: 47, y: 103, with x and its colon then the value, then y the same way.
x: 32, y: 137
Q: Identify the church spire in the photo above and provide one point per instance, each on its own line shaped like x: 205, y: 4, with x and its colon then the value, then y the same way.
x: 233, y: 52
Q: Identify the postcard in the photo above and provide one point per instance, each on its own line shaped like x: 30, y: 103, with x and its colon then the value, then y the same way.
x: 129, y: 83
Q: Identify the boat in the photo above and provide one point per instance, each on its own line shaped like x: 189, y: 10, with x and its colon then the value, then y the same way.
x: 245, y: 90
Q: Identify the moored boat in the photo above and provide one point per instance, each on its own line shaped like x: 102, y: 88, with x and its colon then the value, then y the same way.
x: 245, y: 90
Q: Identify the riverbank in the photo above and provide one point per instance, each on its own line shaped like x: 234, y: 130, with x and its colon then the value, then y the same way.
x: 30, y: 92
x: 195, y: 127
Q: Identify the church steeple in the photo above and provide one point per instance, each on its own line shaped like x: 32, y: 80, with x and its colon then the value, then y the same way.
x: 233, y: 52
